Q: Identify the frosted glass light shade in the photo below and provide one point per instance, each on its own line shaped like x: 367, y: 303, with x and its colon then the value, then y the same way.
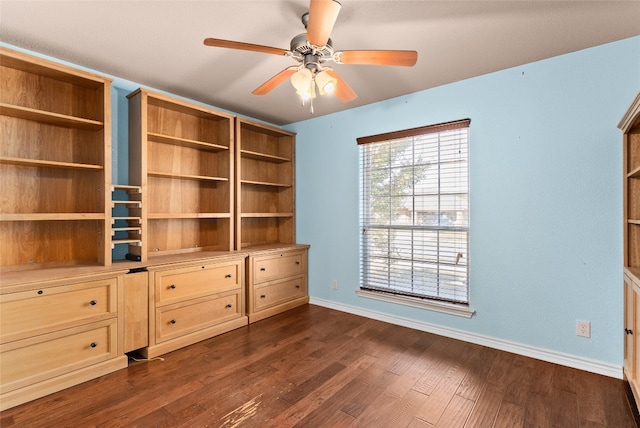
x: 302, y: 79
x: 326, y: 83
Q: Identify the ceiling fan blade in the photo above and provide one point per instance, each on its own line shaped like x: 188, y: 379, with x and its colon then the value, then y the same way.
x: 402, y: 58
x: 244, y: 46
x: 342, y: 91
x: 270, y: 84
x: 322, y: 17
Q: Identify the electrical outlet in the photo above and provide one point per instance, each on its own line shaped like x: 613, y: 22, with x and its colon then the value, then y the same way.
x: 334, y: 284
x: 583, y: 328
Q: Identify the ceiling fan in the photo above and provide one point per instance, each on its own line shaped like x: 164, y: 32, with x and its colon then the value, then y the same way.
x: 312, y: 50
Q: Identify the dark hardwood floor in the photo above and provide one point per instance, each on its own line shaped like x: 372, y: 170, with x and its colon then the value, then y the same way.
x: 315, y: 367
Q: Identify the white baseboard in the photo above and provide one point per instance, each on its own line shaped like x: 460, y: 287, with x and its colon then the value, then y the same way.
x: 555, y: 357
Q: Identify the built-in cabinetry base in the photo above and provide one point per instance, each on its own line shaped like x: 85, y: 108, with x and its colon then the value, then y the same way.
x: 58, y: 333
x: 630, y: 126
x: 276, y: 280
x: 194, y: 300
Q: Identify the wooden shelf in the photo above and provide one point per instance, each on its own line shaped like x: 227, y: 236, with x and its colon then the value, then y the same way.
x: 633, y: 221
x: 265, y: 215
x: 48, y: 164
x: 635, y: 173
x: 129, y: 189
x: 138, y: 219
x: 264, y: 183
x: 167, y: 216
x: 263, y: 156
x: 185, y: 176
x: 125, y: 229
x: 183, y: 153
x: 126, y: 241
x: 49, y: 117
x: 265, y: 177
x: 200, y: 145
x: 130, y: 204
x: 52, y: 216
x: 56, y: 154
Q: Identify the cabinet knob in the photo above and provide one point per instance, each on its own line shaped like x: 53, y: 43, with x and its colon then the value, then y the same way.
x: 263, y: 269
x: 172, y: 321
x: 297, y: 286
x: 40, y: 292
x: 228, y: 275
x: 93, y: 344
x: 228, y: 306
x: 264, y: 296
x: 172, y: 286
x: 297, y: 262
x: 628, y: 331
x: 93, y: 302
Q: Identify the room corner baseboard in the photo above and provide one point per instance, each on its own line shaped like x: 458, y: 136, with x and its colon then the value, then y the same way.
x: 569, y: 360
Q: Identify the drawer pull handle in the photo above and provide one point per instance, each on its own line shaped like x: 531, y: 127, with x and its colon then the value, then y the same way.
x: 93, y: 344
x: 264, y: 296
x: 228, y: 275
x: 172, y: 321
x: 263, y: 269
x: 628, y: 331
x: 297, y: 262
x: 297, y: 286
x: 93, y: 302
x: 40, y: 292
x: 228, y: 306
x: 172, y: 286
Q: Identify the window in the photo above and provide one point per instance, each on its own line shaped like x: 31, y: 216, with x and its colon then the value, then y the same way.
x: 414, y: 218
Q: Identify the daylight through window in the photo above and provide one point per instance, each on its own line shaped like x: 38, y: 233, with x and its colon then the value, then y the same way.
x: 414, y: 215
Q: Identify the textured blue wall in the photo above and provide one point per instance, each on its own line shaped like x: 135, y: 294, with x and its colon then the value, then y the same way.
x: 546, y: 197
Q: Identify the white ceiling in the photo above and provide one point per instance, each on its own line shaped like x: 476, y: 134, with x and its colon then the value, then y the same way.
x: 160, y: 43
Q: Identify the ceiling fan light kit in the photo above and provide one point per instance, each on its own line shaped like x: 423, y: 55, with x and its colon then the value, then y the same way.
x: 312, y: 49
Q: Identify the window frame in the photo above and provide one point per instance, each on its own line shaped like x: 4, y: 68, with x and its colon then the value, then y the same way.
x: 398, y: 296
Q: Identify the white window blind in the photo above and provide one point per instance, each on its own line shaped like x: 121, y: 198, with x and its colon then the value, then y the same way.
x: 414, y: 216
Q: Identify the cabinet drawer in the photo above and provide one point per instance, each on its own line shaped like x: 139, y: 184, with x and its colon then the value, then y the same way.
x: 43, y: 357
x: 280, y: 292
x: 279, y: 265
x: 183, y: 318
x: 177, y: 285
x: 48, y: 309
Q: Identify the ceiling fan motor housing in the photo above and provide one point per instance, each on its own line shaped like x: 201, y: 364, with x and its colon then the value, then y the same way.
x: 310, y: 56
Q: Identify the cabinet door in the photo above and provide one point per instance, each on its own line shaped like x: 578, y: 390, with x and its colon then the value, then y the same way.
x: 183, y: 318
x: 136, y: 311
x: 29, y: 361
x: 44, y: 310
x: 629, y: 305
x: 280, y: 265
x: 176, y: 285
x: 279, y: 292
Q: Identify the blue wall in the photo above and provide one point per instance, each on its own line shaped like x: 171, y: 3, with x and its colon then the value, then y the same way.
x: 546, y: 198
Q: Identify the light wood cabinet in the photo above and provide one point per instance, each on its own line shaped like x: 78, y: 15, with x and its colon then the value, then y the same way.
x: 194, y: 300
x: 265, y: 185
x: 630, y: 126
x: 55, y: 164
x: 210, y: 216
x: 181, y: 155
x: 58, y: 333
x: 136, y: 310
x: 276, y: 281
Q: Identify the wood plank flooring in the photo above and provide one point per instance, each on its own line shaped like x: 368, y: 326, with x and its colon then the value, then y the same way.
x: 315, y: 367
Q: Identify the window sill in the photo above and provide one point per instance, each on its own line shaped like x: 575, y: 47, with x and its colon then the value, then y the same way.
x: 444, y: 307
